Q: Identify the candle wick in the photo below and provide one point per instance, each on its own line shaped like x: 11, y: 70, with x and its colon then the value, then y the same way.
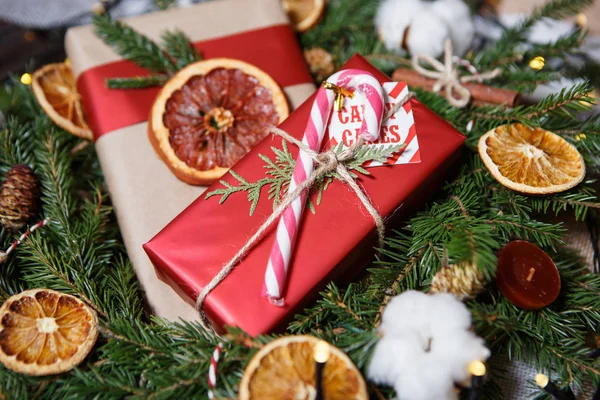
x: 531, y: 273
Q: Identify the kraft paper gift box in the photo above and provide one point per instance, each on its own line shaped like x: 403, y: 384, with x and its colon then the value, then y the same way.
x: 144, y: 193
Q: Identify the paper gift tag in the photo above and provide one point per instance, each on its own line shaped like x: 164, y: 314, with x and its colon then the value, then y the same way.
x: 344, y: 126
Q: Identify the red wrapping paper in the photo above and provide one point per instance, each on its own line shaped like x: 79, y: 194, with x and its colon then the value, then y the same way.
x: 334, y: 244
x: 127, y: 107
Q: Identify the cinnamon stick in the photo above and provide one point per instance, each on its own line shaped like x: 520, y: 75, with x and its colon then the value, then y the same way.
x: 480, y: 94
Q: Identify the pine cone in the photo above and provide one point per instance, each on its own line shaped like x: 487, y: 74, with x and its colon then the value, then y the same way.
x: 320, y: 63
x: 19, y: 196
x: 465, y: 281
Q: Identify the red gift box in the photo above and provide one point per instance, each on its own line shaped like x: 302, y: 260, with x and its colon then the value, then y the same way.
x: 334, y: 243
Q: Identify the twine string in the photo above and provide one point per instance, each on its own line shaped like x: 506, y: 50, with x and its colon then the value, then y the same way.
x: 447, y: 76
x: 327, y: 162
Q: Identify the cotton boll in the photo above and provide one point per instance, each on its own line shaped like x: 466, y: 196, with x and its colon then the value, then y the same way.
x: 427, y: 380
x: 428, y: 32
x: 426, y: 346
x: 408, y: 311
x: 391, y: 357
x: 457, y: 16
x: 393, y: 18
x: 457, y: 349
x: 449, y: 314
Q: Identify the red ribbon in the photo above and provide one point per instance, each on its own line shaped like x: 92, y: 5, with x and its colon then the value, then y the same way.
x: 273, y: 49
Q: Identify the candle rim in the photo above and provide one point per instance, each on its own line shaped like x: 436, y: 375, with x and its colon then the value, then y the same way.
x: 504, y: 275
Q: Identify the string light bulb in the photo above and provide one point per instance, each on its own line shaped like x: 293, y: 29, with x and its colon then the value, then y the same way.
x: 322, y: 352
x: 26, y: 78
x: 581, y: 20
x: 98, y: 8
x: 542, y: 380
x: 549, y: 387
x: 477, y: 368
x: 537, y: 63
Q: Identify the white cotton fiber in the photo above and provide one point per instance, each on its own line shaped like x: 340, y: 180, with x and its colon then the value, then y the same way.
x: 457, y: 16
x: 392, y: 19
x: 457, y: 350
x: 427, y: 380
x: 391, y: 357
x: 430, y: 23
x: 449, y: 313
x: 404, y: 312
x: 426, y: 346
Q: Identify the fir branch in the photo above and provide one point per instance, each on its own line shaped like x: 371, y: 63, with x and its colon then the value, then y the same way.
x: 253, y: 190
x: 580, y: 200
x: 547, y: 235
x: 575, y: 98
x: 132, y: 45
x: 16, y: 145
x: 560, y: 48
x: 513, y: 37
x: 137, y: 82
x: 346, y: 28
x: 393, y: 289
x: 179, y: 47
x: 279, y: 173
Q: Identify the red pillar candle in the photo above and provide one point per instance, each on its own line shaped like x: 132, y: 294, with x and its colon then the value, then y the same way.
x: 527, y: 276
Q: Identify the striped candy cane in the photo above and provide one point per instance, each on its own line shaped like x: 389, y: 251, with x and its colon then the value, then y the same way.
x: 371, y: 91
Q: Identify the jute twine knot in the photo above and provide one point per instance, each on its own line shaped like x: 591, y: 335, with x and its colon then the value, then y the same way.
x: 327, y: 162
x: 448, y: 77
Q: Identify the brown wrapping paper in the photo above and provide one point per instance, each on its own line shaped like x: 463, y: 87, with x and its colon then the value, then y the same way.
x: 145, y: 194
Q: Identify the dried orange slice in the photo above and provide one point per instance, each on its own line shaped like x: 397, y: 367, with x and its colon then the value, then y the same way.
x: 44, y: 332
x: 210, y: 114
x: 285, y: 369
x: 531, y: 160
x: 55, y: 90
x: 304, y: 14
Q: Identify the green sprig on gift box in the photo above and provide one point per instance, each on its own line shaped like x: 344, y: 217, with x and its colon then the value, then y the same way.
x: 278, y: 174
x: 139, y: 356
x: 178, y: 52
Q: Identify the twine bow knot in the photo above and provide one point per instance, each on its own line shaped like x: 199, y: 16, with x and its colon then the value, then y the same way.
x: 447, y: 76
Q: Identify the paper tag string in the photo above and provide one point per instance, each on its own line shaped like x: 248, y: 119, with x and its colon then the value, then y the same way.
x: 17, y: 242
x: 338, y: 86
x: 326, y: 162
x: 447, y: 76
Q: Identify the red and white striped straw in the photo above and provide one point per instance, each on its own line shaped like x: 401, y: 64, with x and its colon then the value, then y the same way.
x: 470, y: 67
x: 32, y: 229
x: 212, y: 371
x: 369, y: 88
